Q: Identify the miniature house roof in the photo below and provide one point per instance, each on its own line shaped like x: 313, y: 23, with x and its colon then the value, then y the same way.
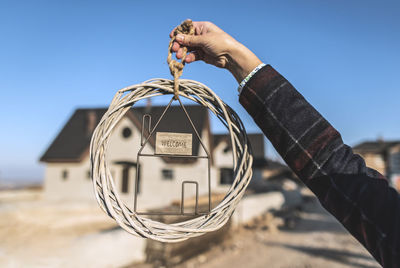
x: 72, y: 143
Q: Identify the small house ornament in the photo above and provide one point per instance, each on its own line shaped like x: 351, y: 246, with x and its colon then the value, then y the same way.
x: 173, y: 145
x: 170, y: 144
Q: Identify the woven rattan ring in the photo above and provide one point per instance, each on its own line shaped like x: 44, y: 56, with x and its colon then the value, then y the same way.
x: 105, y: 190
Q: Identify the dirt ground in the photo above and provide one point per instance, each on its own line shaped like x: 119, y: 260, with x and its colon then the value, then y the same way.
x: 317, y: 240
x: 38, y: 234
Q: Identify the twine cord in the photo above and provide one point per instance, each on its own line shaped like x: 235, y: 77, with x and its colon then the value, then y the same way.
x: 176, y: 67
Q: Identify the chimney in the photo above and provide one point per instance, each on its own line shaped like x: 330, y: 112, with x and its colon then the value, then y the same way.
x: 91, y: 119
x: 148, y: 105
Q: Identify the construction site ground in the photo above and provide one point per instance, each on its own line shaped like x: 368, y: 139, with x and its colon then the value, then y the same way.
x: 316, y: 239
x: 38, y: 234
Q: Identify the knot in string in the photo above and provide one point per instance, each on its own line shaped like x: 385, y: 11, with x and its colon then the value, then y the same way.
x: 175, y: 67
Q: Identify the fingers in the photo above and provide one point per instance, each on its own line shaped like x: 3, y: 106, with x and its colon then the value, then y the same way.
x: 178, y: 49
x: 171, y: 34
x: 190, y: 40
x: 175, y: 47
x: 179, y: 53
x: 199, y: 27
x: 203, y: 27
x: 194, y: 56
x: 190, y: 57
x: 190, y: 43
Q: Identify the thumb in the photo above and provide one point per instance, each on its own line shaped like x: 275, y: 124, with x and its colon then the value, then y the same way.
x: 190, y: 40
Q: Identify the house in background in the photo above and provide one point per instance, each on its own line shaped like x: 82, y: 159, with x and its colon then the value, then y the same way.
x: 67, y: 175
x: 383, y: 156
x: 268, y: 175
x: 222, y: 155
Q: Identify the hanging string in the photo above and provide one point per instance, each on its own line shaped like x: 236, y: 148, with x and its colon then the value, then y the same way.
x: 176, y: 67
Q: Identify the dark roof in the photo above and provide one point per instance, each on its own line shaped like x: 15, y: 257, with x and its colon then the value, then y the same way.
x: 72, y: 143
x: 378, y: 147
x: 257, y: 144
x: 256, y: 141
x: 73, y: 140
x: 272, y: 164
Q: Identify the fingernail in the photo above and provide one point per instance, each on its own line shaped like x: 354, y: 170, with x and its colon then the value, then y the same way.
x: 180, y: 37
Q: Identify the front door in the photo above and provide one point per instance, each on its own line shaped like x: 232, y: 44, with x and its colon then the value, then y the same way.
x: 128, y: 174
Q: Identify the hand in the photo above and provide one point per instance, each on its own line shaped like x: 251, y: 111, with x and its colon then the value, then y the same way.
x: 213, y: 46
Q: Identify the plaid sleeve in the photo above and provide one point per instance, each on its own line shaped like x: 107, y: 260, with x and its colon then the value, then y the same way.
x: 359, y: 197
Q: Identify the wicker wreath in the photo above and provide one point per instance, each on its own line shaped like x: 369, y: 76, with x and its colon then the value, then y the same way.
x: 103, y: 183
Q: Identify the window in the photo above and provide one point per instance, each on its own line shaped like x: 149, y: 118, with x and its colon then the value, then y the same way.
x: 125, y: 180
x: 226, y: 149
x: 395, y: 163
x: 226, y: 176
x: 167, y: 174
x: 126, y: 132
x: 64, y: 174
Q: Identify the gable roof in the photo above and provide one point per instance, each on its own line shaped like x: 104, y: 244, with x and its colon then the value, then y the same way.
x: 273, y: 164
x: 258, y: 148
x: 378, y: 147
x: 72, y: 143
x: 256, y: 141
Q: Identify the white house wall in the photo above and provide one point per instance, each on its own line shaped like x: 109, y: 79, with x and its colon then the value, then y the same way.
x: 154, y: 191
x: 221, y: 160
x: 77, y: 186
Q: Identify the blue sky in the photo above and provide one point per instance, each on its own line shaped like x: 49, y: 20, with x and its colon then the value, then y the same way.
x: 56, y: 56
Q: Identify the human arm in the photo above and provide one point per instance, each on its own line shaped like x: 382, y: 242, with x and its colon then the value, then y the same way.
x: 359, y: 197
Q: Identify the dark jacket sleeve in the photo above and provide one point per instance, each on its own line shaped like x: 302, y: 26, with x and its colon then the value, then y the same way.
x: 359, y: 197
